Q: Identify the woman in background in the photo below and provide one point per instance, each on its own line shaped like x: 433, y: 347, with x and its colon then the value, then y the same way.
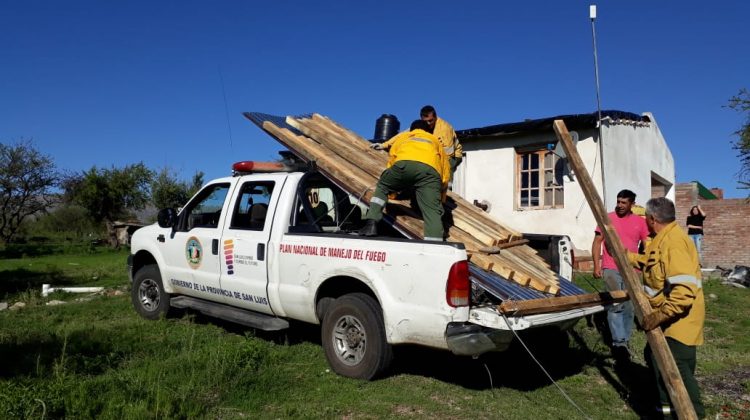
x: 695, y: 228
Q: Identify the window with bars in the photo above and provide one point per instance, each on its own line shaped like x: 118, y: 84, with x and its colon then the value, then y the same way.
x: 539, y: 180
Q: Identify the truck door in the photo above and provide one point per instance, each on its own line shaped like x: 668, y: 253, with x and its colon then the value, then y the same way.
x: 192, y: 249
x: 244, y: 245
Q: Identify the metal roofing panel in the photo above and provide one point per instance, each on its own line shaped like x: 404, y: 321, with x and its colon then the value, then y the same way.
x: 508, y: 290
x: 258, y: 118
x: 572, y: 121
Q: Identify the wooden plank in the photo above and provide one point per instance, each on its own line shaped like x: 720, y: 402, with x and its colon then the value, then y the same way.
x: 465, y: 216
x: 321, y: 127
x: 351, y: 149
x: 301, y: 145
x: 508, y: 266
x: 561, y: 303
x: 502, y: 265
x: 677, y: 392
x: 350, y: 152
x: 327, y: 163
x: 373, y: 163
x: 465, y: 212
x: 473, y: 231
x: 511, y: 244
x: 343, y: 159
x: 495, y: 249
x: 470, y: 210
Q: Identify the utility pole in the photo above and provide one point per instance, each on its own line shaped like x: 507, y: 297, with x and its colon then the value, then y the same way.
x: 592, y: 16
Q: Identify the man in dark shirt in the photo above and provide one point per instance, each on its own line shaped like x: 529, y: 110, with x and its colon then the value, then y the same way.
x: 695, y: 228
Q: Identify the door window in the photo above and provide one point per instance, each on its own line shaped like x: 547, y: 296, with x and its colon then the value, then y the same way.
x: 251, y: 207
x: 205, y: 210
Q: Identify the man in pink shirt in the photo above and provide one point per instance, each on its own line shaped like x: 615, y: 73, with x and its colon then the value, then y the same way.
x: 632, y: 230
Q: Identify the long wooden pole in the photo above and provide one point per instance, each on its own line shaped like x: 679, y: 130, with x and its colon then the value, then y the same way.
x: 667, y: 366
x: 560, y: 303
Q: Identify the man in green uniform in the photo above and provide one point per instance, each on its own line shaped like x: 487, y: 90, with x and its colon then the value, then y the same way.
x: 417, y: 161
x: 672, y: 281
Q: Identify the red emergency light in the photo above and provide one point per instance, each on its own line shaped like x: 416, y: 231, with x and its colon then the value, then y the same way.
x: 251, y: 166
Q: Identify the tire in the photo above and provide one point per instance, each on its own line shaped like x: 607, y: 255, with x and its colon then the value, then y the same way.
x: 353, y: 337
x: 147, y: 294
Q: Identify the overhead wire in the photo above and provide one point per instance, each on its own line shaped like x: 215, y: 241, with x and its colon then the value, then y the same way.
x: 562, y: 391
x: 226, y: 106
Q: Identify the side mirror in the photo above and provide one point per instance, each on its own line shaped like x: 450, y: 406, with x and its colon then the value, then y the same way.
x: 167, y: 218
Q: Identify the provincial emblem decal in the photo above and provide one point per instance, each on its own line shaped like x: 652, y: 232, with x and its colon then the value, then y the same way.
x: 194, y: 252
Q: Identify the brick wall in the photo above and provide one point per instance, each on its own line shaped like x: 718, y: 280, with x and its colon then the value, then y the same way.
x: 726, y: 240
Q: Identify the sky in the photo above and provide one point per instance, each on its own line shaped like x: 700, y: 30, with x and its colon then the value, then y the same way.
x: 99, y: 83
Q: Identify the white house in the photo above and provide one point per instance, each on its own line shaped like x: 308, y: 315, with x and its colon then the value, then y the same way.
x: 513, y: 168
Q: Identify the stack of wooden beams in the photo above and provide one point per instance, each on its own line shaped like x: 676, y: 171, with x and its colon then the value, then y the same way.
x: 347, y: 159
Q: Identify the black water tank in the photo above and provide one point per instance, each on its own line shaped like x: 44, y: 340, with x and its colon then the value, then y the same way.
x: 386, y: 127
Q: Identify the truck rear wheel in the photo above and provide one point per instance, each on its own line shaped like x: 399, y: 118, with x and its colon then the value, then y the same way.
x: 148, y: 295
x: 353, y: 337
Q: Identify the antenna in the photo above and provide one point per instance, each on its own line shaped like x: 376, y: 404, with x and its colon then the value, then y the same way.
x: 226, y: 107
x: 592, y: 16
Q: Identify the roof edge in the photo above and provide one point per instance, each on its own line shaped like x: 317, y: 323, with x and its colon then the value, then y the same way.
x: 572, y: 121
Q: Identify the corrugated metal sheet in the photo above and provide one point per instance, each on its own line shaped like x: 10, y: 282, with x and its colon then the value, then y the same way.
x: 572, y: 121
x: 507, y: 290
x: 258, y: 118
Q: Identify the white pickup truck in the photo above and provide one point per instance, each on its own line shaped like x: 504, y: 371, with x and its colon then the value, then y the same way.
x: 263, y: 247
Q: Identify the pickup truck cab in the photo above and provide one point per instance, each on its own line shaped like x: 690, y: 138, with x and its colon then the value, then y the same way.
x: 261, y: 249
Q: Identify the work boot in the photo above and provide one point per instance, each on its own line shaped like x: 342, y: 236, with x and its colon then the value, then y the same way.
x: 370, y: 229
x: 621, y: 355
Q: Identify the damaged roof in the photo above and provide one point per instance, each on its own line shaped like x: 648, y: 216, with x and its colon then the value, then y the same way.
x: 572, y: 121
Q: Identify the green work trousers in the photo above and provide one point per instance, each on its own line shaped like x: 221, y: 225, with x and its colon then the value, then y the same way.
x: 425, y: 180
x: 685, y: 358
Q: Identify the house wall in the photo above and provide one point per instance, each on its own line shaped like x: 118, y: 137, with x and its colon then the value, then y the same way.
x: 488, y: 173
x: 726, y: 240
x: 634, y: 157
x: 632, y: 153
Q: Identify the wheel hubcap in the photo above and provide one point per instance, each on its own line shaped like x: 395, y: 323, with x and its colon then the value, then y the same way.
x: 148, y: 292
x: 349, y: 340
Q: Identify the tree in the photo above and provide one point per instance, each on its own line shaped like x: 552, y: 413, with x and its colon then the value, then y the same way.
x: 110, y: 194
x: 741, y: 103
x: 168, y: 192
x: 69, y: 221
x: 26, y: 181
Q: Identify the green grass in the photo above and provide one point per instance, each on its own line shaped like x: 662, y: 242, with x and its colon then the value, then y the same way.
x: 98, y: 359
x: 102, y: 267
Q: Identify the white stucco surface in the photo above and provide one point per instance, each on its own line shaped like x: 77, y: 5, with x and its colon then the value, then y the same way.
x: 631, y: 154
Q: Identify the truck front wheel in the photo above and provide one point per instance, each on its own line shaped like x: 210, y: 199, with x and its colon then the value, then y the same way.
x: 353, y: 337
x: 148, y: 296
